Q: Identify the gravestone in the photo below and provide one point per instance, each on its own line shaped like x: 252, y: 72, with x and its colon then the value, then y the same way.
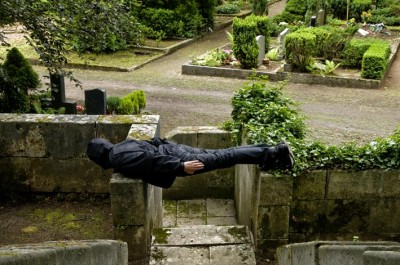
x: 321, y: 17
x: 313, y: 21
x: 57, y: 86
x: 261, y: 49
x: 96, y: 102
x: 281, y: 42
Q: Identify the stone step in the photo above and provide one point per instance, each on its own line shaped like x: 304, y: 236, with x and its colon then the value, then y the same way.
x: 202, y: 244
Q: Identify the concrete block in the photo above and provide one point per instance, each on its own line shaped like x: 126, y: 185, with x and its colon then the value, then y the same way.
x: 381, y: 258
x: 351, y: 254
x: 275, y: 190
x: 184, y: 135
x: 143, y: 131
x: 246, y: 193
x: 15, y: 174
x: 220, y: 208
x: 213, y: 138
x: 273, y: 222
x: 311, y: 186
x: 368, y: 185
x: 191, y: 208
x: 128, y: 201
x: 137, y: 239
x: 154, y: 206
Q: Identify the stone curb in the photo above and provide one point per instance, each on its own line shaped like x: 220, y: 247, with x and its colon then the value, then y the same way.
x: 85, y: 252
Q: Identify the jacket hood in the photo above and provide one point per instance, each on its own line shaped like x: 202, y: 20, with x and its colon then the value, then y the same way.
x: 98, y: 150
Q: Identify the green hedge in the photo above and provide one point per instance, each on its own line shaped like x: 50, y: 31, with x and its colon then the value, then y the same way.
x: 321, y: 34
x: 355, y: 49
x: 300, y: 47
x: 359, y: 6
x: 375, y: 61
x: 263, y: 27
x: 132, y: 103
x: 245, y: 45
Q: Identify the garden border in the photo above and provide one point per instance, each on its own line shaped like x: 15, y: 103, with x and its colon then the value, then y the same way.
x: 281, y: 75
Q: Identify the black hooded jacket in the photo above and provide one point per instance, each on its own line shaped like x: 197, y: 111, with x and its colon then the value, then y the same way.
x: 147, y: 160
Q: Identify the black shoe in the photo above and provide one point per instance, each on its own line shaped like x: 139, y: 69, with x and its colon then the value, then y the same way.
x: 278, y: 157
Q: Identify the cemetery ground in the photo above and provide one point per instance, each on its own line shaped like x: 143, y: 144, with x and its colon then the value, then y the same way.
x: 334, y: 115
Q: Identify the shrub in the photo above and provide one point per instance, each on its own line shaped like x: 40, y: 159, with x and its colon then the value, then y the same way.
x: 262, y: 114
x: 132, y: 103
x: 113, y: 104
x: 357, y: 7
x: 321, y: 34
x: 245, y: 46
x: 260, y: 7
x: 206, y: 11
x: 227, y: 9
x: 16, y: 78
x: 355, y: 49
x: 299, y: 48
x: 375, y: 61
x: 335, y: 42
x: 297, y: 7
x: 263, y: 27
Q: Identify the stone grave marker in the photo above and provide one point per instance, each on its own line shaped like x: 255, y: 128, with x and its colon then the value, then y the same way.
x: 321, y: 17
x: 281, y: 42
x: 96, y: 102
x: 57, y: 86
x: 261, y: 49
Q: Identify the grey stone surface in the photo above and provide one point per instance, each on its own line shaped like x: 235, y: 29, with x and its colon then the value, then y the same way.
x: 222, y: 220
x: 246, y: 192
x: 311, y: 186
x: 86, y: 252
x: 381, y: 258
x: 220, y: 208
x: 191, y: 208
x: 242, y: 254
x: 128, y: 201
x: 137, y: 239
x: 321, y: 17
x: 275, y: 190
x: 261, y: 49
x: 384, y: 216
x: 200, y: 235
x: 202, y: 245
x: 273, y: 222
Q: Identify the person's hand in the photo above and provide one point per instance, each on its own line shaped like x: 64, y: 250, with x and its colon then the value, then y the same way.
x: 192, y: 166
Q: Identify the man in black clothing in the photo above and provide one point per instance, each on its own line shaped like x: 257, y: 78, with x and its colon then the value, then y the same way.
x: 159, y: 161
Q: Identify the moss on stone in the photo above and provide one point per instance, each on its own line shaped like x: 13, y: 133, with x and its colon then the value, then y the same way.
x: 161, y: 235
x: 238, y: 232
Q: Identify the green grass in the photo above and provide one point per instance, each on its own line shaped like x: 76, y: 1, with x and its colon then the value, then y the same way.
x: 121, y: 59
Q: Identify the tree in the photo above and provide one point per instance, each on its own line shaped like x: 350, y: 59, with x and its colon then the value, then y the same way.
x: 53, y: 26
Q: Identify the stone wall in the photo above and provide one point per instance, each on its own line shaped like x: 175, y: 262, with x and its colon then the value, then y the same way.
x: 334, y: 205
x: 47, y: 153
x: 215, y: 184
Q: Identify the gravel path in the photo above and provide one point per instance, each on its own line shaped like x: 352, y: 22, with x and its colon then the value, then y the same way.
x: 334, y: 114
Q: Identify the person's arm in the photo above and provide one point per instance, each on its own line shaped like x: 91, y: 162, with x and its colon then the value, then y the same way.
x: 191, y: 167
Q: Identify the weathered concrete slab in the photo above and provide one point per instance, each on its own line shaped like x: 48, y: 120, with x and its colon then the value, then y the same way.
x: 329, y: 252
x: 381, y: 258
x: 220, y: 208
x: 200, y: 235
x: 242, y: 254
x: 191, y: 208
x: 180, y: 255
x: 86, y: 252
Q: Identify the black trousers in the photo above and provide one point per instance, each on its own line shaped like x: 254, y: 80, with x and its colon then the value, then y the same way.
x: 220, y: 158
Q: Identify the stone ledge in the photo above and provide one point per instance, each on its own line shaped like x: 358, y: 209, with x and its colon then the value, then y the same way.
x: 86, y: 252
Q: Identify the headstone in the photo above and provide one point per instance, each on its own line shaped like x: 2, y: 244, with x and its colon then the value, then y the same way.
x: 321, y: 17
x: 313, y: 21
x: 261, y: 49
x: 281, y: 41
x: 57, y: 89
x: 57, y: 86
x: 95, y: 101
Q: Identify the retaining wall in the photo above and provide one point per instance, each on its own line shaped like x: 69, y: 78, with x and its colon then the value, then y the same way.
x: 47, y: 153
x: 333, y: 205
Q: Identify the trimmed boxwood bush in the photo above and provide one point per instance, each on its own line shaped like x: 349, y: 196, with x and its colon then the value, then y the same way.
x: 132, y: 103
x: 299, y: 49
x: 263, y: 27
x: 245, y: 45
x: 227, y: 9
x: 375, y: 61
x: 355, y: 49
x: 321, y: 35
